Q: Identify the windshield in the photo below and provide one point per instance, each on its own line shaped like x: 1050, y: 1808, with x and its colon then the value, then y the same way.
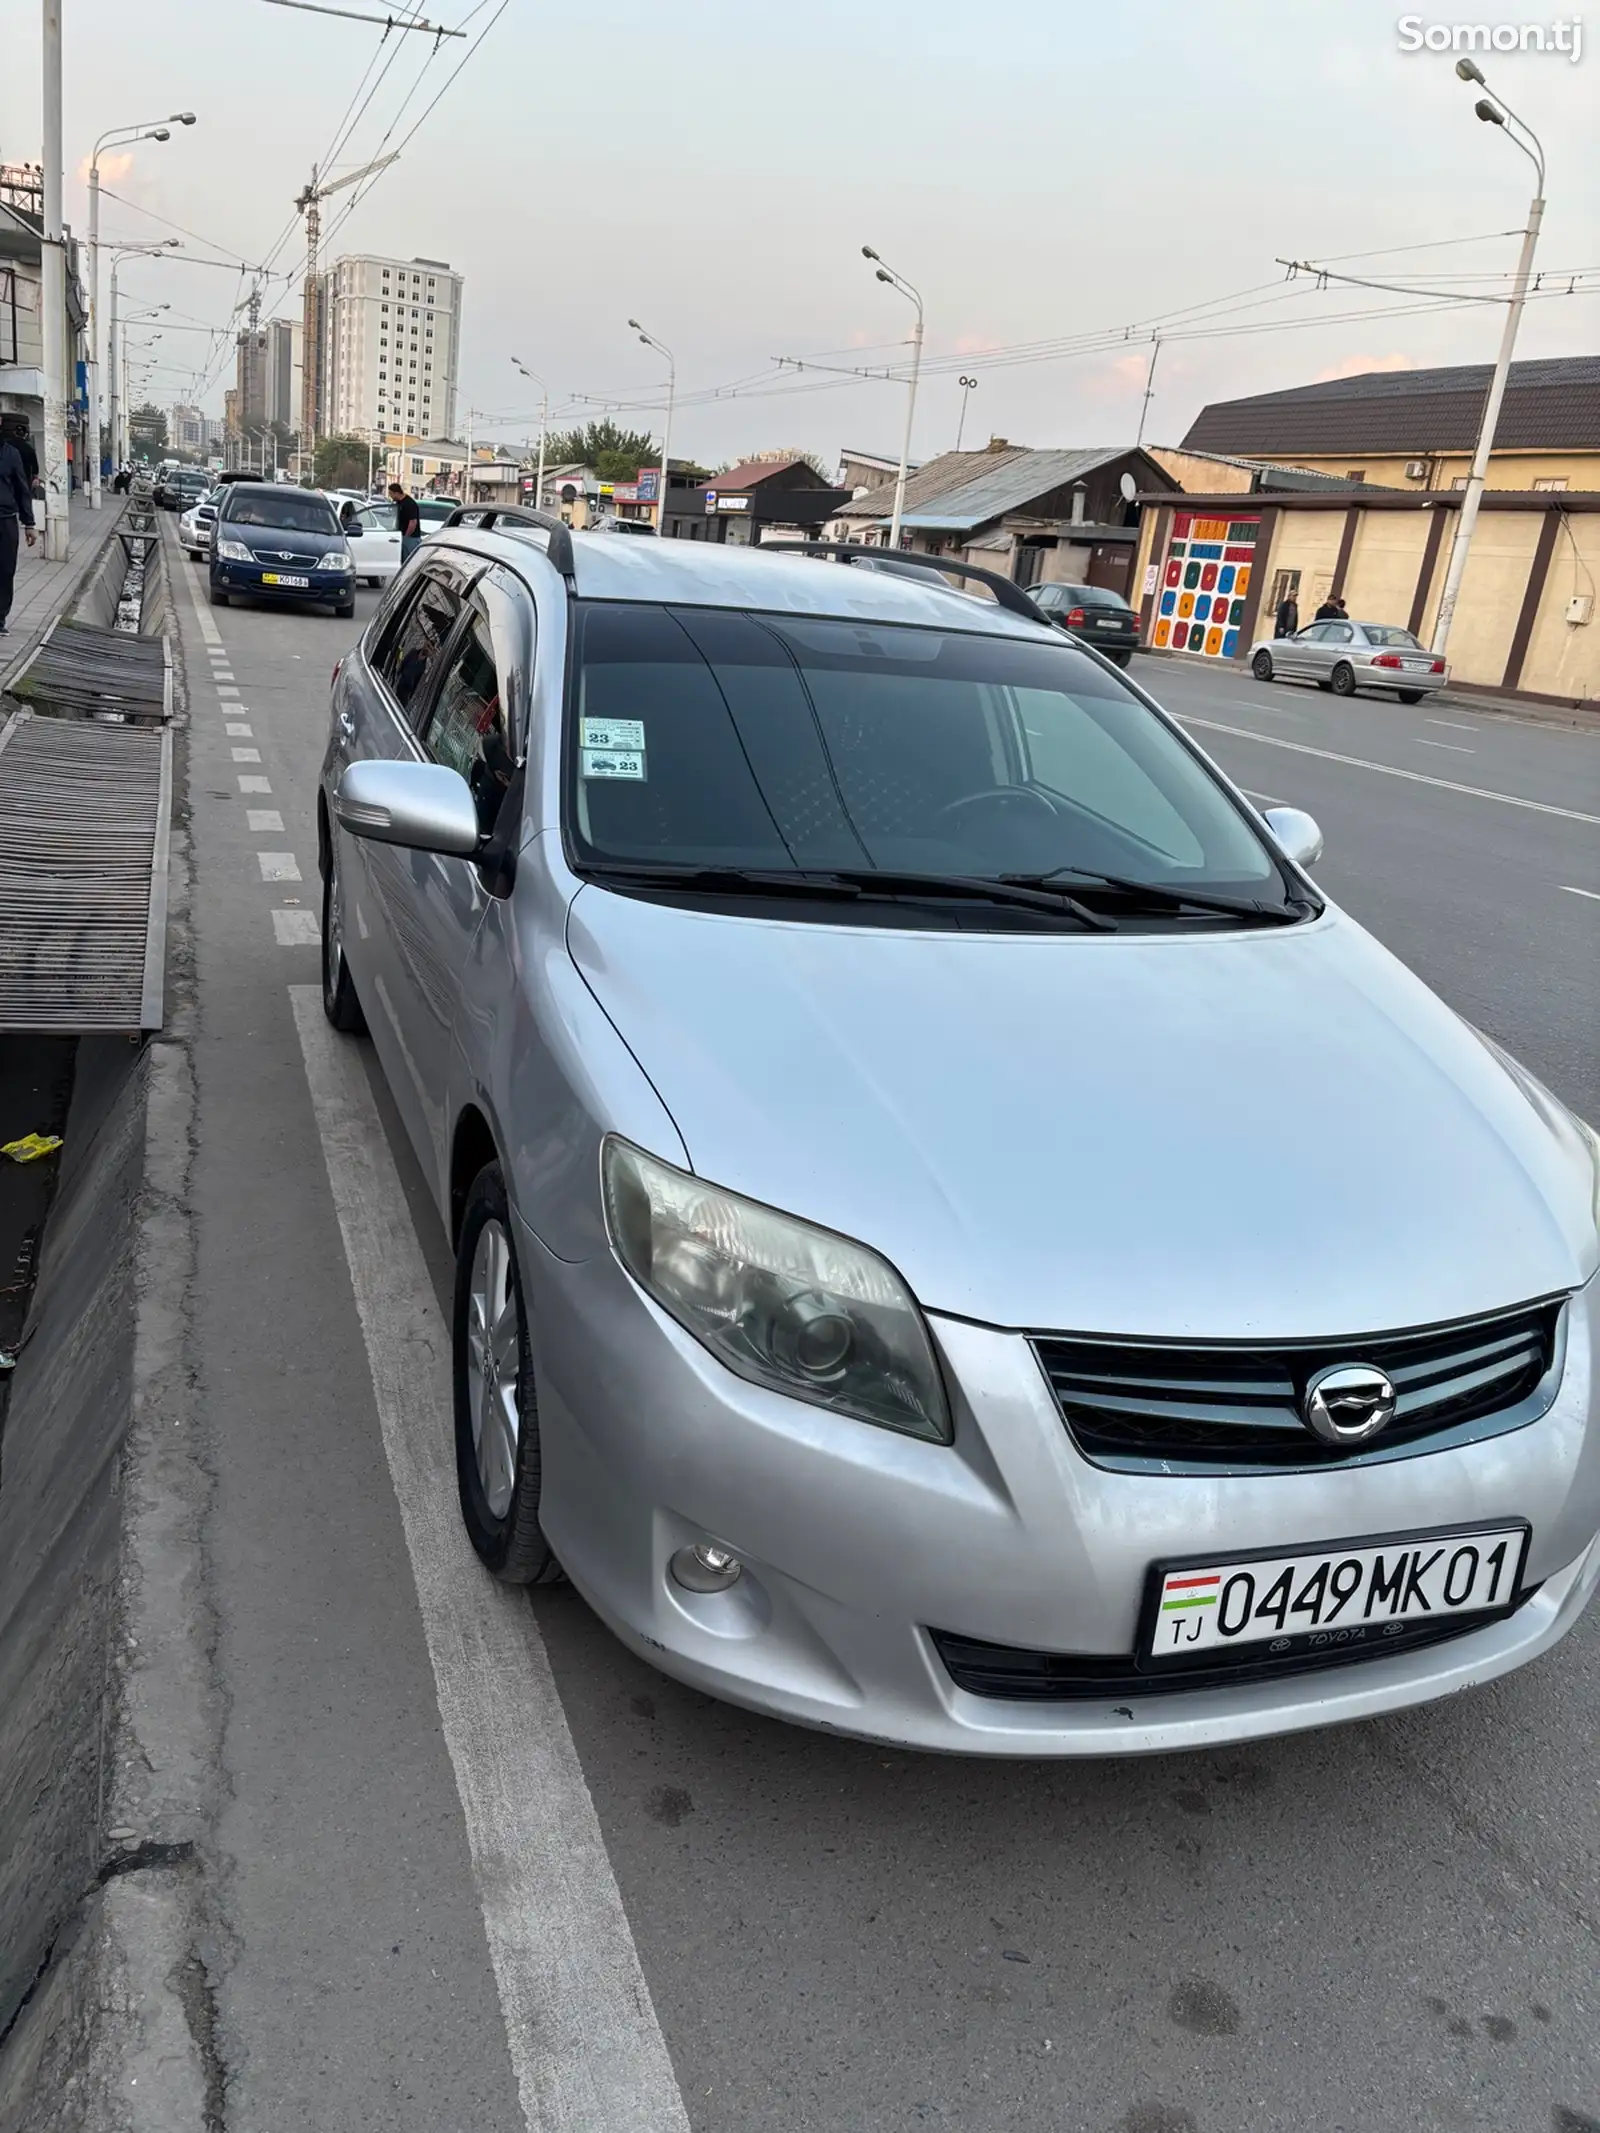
x: 294, y: 512
x: 708, y: 738
x: 1386, y: 633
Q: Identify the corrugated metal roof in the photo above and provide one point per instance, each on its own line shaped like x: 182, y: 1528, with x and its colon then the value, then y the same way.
x: 1552, y: 404
x: 960, y: 490
x: 750, y: 472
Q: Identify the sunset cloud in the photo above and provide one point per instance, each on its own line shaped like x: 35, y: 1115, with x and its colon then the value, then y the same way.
x: 1358, y: 366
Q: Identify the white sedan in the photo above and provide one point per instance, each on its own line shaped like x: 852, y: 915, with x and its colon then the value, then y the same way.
x: 374, y: 543
x: 197, y: 526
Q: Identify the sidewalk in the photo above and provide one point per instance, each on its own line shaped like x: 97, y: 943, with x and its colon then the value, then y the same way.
x: 43, y: 589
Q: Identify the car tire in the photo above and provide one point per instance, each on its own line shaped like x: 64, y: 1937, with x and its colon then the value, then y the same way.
x: 217, y: 599
x: 1342, y: 681
x: 499, y: 1486
x: 1120, y: 659
x: 346, y: 609
x: 1261, y: 666
x: 1411, y: 696
x: 340, y: 1001
x: 372, y: 583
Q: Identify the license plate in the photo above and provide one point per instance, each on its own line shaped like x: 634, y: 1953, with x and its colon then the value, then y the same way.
x: 1417, y: 666
x: 276, y: 577
x: 1108, y: 625
x: 1309, y: 1600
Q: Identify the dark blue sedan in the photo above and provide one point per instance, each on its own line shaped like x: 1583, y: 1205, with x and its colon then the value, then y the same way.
x: 278, y: 543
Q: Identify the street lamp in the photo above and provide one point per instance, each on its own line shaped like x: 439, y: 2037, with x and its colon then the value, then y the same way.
x: 115, y: 410
x: 898, y: 281
x: 544, y: 424
x: 661, y: 348
x: 968, y: 387
x: 1497, y: 113
x: 114, y: 137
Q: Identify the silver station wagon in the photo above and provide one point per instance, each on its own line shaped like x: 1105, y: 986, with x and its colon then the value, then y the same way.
x: 958, y: 1241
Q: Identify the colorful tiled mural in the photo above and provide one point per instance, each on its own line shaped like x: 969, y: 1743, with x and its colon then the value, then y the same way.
x: 1205, y: 576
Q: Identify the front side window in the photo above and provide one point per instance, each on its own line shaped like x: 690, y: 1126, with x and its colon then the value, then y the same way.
x: 704, y: 738
x: 469, y: 730
x: 413, y: 648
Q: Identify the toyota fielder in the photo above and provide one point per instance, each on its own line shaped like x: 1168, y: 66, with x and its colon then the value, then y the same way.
x: 958, y: 1240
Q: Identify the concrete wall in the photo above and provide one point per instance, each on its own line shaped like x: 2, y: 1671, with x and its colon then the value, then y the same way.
x: 1563, y: 659
x: 1307, y: 541
x: 59, y: 1516
x: 1491, y: 595
x: 1201, y: 475
x: 1381, y: 577
x: 1507, y: 470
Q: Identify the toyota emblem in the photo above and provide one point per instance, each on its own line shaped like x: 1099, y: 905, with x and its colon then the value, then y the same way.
x: 1348, y: 1404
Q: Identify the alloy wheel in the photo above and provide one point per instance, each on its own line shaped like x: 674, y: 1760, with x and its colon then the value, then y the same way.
x: 494, y: 1362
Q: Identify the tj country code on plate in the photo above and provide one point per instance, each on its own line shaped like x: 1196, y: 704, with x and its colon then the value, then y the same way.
x: 1413, y: 1579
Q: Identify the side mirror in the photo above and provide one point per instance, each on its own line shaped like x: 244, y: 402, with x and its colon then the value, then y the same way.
x: 1297, y: 834
x: 424, y: 806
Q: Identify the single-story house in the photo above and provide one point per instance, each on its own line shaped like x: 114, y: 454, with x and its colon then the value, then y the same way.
x: 1037, y: 517
x: 762, y: 499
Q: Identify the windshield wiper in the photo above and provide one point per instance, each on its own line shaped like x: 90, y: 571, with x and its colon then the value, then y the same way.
x: 856, y: 882
x: 1159, y: 895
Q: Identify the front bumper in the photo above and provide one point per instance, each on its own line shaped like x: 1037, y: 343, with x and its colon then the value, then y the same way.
x: 337, y: 585
x: 858, y: 1543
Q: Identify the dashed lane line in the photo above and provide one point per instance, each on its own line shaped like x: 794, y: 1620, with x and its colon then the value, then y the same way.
x: 294, y: 928
x: 1592, y: 894
x: 585, y: 2044
x: 278, y: 866
x: 245, y: 755
x: 1454, y: 747
x: 1388, y: 770
x: 249, y: 783
x: 238, y: 731
x: 263, y: 818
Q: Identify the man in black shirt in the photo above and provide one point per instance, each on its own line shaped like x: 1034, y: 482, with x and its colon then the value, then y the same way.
x: 16, y: 509
x: 407, y: 521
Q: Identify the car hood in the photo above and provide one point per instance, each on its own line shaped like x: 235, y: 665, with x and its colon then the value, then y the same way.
x: 1244, y: 1135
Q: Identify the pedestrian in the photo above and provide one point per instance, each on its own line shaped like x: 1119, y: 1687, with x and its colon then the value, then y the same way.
x: 16, y: 509
x: 123, y: 481
x: 15, y: 427
x: 1331, y: 610
x: 407, y: 521
x: 1288, y: 615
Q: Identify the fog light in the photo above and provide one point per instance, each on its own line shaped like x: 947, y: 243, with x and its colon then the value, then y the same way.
x: 706, y: 1568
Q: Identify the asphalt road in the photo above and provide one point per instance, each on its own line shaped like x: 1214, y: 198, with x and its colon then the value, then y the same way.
x: 1385, y: 1929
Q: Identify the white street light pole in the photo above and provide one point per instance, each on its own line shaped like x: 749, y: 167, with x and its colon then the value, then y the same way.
x: 116, y: 395
x: 898, y: 281
x: 1497, y: 113
x: 114, y: 137
x: 53, y: 297
x: 968, y: 387
x: 121, y: 442
x: 661, y: 348
x: 544, y: 425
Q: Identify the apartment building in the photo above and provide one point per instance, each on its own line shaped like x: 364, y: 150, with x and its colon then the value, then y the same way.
x: 391, y: 335
x: 282, y: 380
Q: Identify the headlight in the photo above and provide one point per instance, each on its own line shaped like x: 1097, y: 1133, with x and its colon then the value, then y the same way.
x: 337, y: 559
x: 234, y: 552
x: 781, y: 1302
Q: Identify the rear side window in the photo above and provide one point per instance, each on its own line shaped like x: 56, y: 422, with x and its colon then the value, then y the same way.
x: 411, y: 648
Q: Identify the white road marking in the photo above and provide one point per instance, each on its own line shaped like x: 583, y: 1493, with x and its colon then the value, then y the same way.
x: 210, y: 635
x: 246, y: 755
x: 1456, y: 725
x: 263, y: 818
x: 248, y: 784
x: 1388, y: 770
x: 585, y: 2044
x: 278, y: 866
x: 1266, y: 799
x: 238, y: 731
x: 297, y: 929
x: 1593, y: 894
x: 227, y: 692
x: 1454, y: 747
x: 1272, y: 710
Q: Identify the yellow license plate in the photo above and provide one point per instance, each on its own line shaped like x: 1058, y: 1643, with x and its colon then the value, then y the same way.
x: 277, y: 577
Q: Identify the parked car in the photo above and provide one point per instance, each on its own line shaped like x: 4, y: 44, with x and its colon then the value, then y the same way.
x: 1347, y: 656
x: 957, y: 1240
x: 434, y: 512
x: 1092, y: 613
x: 197, y: 526
x: 181, y: 487
x: 371, y: 537
x: 280, y: 544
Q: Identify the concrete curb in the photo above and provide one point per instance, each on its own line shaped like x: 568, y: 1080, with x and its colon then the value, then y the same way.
x: 118, y: 2034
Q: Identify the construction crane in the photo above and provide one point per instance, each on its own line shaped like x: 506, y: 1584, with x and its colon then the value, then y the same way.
x: 309, y: 204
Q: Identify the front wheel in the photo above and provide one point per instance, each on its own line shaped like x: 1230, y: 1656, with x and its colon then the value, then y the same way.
x: 340, y: 1001
x: 217, y: 599
x: 345, y: 609
x: 1411, y: 696
x: 1261, y: 666
x: 1120, y: 659
x: 498, y: 1466
x: 1342, y: 681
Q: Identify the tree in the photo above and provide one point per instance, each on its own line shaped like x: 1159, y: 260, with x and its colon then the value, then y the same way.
x: 341, y: 462
x: 147, y: 431
x: 615, y: 454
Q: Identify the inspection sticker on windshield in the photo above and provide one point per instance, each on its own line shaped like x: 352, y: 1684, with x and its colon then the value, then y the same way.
x: 613, y: 763
x: 1360, y: 1594
x: 613, y: 733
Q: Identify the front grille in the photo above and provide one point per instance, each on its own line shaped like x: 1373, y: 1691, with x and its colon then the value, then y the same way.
x: 1158, y: 1407
x: 1012, y: 1674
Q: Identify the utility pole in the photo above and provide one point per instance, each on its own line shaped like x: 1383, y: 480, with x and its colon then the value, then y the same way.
x: 53, y: 296
x: 1149, y: 388
x: 309, y: 203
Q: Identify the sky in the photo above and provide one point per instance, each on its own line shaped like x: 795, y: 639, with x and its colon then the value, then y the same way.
x: 713, y: 168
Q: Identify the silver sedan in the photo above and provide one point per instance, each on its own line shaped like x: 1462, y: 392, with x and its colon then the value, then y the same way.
x: 957, y: 1240
x: 1346, y: 656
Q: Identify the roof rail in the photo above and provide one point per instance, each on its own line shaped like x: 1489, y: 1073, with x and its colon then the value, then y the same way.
x: 1007, y: 594
x: 487, y: 516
